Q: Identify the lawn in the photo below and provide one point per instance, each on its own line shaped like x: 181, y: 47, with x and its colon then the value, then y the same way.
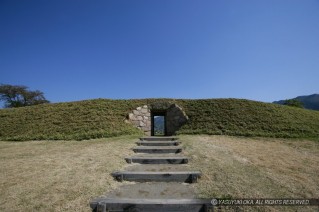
x: 66, y: 175
x: 242, y: 167
x: 58, y: 175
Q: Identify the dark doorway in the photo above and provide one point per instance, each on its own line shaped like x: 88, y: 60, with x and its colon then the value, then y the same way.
x: 158, y: 123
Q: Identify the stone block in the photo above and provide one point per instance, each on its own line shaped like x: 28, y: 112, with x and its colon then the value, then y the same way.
x: 130, y: 115
x: 136, y: 123
x: 145, y: 128
x: 133, y: 118
x: 142, y: 124
x: 144, y: 110
x: 141, y: 117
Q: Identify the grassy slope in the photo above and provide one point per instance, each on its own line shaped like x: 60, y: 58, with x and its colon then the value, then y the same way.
x: 249, y: 118
x: 105, y: 118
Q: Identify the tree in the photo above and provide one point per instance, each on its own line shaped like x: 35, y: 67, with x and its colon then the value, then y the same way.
x: 20, y: 96
x: 293, y: 103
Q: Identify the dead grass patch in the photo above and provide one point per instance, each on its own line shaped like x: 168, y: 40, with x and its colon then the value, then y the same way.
x: 254, y: 168
x: 66, y: 175
x: 59, y: 175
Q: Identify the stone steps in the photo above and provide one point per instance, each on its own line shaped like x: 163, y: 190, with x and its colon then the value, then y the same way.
x: 153, y: 138
x: 157, y: 159
x: 161, y: 179
x: 158, y: 173
x: 157, y: 149
x: 151, y: 196
x: 153, y: 190
x: 151, y: 205
x: 158, y: 143
x: 158, y: 167
x: 147, y: 176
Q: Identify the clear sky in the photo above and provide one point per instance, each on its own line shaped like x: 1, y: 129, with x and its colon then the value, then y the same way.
x: 71, y: 50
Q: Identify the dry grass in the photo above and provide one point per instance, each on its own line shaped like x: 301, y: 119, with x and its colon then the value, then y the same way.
x: 58, y: 175
x: 66, y: 175
x: 254, y: 168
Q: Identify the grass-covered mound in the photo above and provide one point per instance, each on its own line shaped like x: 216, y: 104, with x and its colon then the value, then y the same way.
x: 106, y: 118
x: 249, y: 118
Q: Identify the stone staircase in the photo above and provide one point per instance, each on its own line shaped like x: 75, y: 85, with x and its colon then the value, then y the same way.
x: 163, y: 180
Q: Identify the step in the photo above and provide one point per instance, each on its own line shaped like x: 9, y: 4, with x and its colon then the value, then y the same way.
x: 153, y: 190
x: 151, y: 205
x: 140, y: 176
x: 158, y: 143
x: 163, y: 138
x: 158, y: 167
x: 157, y: 149
x: 157, y: 159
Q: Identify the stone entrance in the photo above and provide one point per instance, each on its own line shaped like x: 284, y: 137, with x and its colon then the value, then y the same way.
x: 158, y: 123
x: 143, y: 117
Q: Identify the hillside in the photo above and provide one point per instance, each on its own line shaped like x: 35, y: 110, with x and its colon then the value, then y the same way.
x: 105, y: 118
x: 309, y: 102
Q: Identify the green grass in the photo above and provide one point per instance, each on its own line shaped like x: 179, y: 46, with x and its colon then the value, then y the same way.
x: 249, y: 118
x: 105, y: 118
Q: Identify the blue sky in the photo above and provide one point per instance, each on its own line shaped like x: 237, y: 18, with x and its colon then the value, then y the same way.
x: 74, y: 50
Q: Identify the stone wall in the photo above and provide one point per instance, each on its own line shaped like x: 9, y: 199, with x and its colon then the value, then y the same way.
x: 175, y: 117
x: 141, y: 118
